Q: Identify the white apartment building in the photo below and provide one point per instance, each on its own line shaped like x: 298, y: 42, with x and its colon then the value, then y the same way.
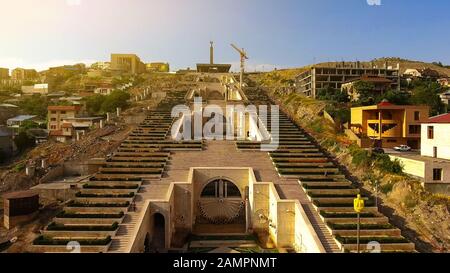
x: 435, y: 140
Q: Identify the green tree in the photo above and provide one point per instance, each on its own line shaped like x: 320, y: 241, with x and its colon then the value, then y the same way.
x: 94, y: 104
x: 366, y: 94
x: 116, y: 99
x: 427, y: 93
x: 35, y: 105
x: 332, y: 94
x: 399, y: 98
x: 28, y: 124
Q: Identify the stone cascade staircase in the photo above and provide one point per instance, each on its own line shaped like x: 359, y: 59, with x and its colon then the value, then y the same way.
x: 105, y: 211
x: 330, y: 193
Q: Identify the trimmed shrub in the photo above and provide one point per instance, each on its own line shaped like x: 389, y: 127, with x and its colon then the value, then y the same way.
x: 86, y: 195
x: 118, y: 187
x: 99, y: 205
x: 365, y: 240
x: 90, y: 216
x: 58, y: 227
x: 44, y: 240
x: 385, y: 164
x: 345, y: 214
x: 362, y: 226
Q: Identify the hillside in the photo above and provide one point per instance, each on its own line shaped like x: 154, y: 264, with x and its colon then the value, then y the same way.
x: 291, y: 73
x: 401, y: 197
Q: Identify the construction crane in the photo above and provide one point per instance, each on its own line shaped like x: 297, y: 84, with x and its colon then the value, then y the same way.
x: 244, y: 57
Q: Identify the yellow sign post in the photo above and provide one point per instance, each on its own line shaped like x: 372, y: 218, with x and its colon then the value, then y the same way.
x: 358, y: 206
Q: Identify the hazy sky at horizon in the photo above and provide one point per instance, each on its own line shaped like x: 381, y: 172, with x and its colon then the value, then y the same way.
x: 282, y: 33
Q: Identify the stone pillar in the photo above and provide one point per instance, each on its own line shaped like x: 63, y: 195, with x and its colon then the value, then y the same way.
x: 108, y: 117
x: 102, y: 124
x: 29, y: 170
x: 78, y: 136
x: 118, y: 110
x: 44, y: 164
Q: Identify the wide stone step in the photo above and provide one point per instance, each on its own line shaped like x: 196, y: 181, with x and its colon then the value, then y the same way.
x: 369, y: 232
x: 333, y: 192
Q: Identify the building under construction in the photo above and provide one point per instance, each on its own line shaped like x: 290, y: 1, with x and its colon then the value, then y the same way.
x: 334, y: 75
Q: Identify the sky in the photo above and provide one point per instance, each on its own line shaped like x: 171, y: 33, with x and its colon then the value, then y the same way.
x: 275, y: 33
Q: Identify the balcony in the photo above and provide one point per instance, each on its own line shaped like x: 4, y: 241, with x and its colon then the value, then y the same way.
x: 390, y: 128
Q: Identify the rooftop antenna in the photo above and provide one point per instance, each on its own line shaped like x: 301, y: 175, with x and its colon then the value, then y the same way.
x: 244, y: 57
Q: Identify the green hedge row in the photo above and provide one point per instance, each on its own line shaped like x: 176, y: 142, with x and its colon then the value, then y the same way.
x: 90, y: 216
x: 93, y: 195
x: 118, y: 187
x: 362, y: 226
x: 59, y: 227
x: 346, y: 215
x: 43, y: 240
x: 99, y: 205
x: 365, y: 240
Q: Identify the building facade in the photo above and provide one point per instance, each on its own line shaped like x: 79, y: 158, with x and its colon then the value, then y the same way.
x: 4, y: 73
x: 59, y: 129
x: 333, y: 76
x: 127, y: 63
x: 158, y: 67
x: 435, y: 141
x: 388, y: 125
x: 41, y: 89
x: 21, y: 74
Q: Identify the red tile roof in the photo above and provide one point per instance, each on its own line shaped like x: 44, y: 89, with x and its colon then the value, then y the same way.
x: 445, y: 118
x: 385, y: 103
x: 66, y: 125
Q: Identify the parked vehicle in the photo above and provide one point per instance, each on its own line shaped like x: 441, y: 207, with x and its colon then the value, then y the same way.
x: 402, y: 148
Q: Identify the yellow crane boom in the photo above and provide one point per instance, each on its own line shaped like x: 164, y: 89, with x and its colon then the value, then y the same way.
x: 244, y: 57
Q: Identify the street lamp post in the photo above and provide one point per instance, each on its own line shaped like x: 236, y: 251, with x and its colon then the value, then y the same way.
x: 358, y: 205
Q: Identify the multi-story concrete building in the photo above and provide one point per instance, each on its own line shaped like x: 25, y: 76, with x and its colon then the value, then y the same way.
x: 158, y: 67
x: 41, y: 89
x: 66, y: 123
x: 59, y: 129
x: 127, y: 63
x: 104, y: 89
x: 387, y: 125
x: 334, y: 75
x: 66, y: 70
x: 22, y: 74
x: 101, y: 65
x: 4, y: 73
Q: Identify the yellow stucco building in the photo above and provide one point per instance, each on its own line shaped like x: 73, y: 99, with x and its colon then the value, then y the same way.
x: 127, y: 63
x: 388, y: 125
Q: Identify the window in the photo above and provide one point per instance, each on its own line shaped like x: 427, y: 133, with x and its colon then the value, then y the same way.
x: 392, y: 141
x: 53, y: 119
x: 437, y: 174
x: 414, y: 129
x: 221, y: 189
x: 416, y: 115
x: 53, y: 112
x: 53, y: 127
x: 63, y: 112
x: 430, y: 132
